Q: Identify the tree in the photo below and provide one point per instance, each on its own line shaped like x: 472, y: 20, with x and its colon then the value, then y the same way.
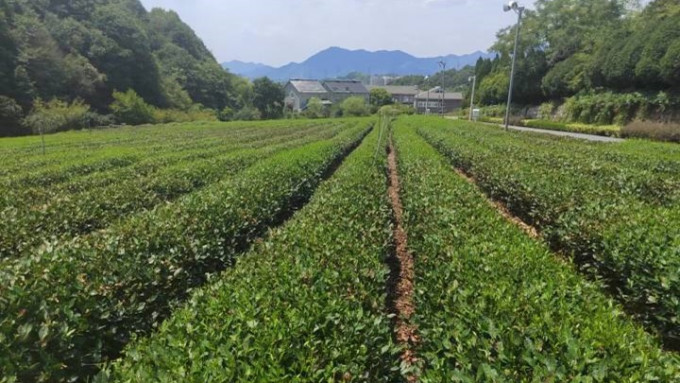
x: 130, y: 108
x: 380, y: 97
x: 354, y: 107
x: 268, y: 98
x: 11, y: 114
x: 315, y: 108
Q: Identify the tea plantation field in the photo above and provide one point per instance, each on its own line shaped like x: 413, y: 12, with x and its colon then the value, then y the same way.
x: 275, y: 252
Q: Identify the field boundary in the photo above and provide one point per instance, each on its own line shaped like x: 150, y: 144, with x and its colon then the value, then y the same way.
x: 400, y: 285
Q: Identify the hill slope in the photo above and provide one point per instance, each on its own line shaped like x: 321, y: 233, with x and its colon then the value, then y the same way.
x: 336, y: 62
x: 88, y: 48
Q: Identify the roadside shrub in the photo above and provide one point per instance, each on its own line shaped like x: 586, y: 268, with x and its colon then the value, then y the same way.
x: 247, y: 113
x: 546, y: 124
x: 545, y: 111
x: 354, y: 107
x: 57, y: 115
x: 226, y: 114
x: 397, y: 109
x: 652, y: 130
x: 130, y: 108
x: 618, y: 108
x: 315, y: 108
x: 195, y: 113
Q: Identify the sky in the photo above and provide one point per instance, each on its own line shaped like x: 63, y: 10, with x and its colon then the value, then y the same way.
x: 276, y: 32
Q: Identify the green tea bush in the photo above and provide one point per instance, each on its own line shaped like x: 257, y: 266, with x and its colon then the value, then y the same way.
x: 307, y: 304
x: 492, y: 303
x: 74, y: 304
x: 613, y: 207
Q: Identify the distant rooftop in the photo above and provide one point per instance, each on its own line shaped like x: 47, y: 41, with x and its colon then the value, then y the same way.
x: 345, y: 86
x: 397, y: 89
x: 434, y: 95
x: 308, y: 86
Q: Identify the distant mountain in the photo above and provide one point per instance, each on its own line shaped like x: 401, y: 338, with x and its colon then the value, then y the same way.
x: 336, y: 62
x: 246, y: 69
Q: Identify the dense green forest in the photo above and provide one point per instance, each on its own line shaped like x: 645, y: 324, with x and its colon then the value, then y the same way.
x: 607, y: 60
x: 595, y: 51
x: 86, y: 49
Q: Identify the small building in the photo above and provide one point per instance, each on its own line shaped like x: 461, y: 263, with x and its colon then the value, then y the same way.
x: 405, y: 94
x: 298, y: 92
x: 430, y: 102
x: 340, y: 90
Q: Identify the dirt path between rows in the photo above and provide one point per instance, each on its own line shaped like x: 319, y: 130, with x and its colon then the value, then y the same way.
x: 401, y: 284
x: 500, y: 207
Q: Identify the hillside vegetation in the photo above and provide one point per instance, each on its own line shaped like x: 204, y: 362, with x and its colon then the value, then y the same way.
x: 86, y: 49
x: 607, y: 61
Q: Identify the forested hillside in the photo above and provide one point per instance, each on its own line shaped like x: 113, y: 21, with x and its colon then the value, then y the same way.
x: 580, y: 47
x: 86, y: 49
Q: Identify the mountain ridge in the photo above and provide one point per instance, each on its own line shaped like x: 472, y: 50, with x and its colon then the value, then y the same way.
x: 335, y: 62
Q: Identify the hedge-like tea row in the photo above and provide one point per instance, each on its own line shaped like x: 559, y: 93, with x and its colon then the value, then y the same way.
x: 616, y: 208
x: 151, y: 160
x: 73, y: 165
x: 492, y: 304
x: 68, y: 214
x: 306, y: 305
x: 68, y: 308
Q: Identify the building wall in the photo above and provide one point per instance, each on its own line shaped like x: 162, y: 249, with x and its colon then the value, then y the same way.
x: 435, y: 105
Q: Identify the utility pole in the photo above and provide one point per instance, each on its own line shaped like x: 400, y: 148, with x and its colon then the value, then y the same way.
x: 472, y: 98
x: 514, y: 6
x: 443, y: 65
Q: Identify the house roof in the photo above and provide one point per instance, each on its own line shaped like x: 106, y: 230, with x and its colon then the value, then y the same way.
x: 410, y: 90
x: 438, y: 96
x: 308, y: 86
x: 345, y: 86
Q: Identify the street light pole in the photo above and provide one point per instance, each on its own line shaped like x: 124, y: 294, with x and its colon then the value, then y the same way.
x: 514, y: 6
x: 443, y: 65
x: 472, y: 98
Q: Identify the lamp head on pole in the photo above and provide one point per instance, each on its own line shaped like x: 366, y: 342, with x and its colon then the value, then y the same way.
x: 512, y: 6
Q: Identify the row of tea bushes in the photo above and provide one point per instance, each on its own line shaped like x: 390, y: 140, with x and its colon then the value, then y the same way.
x: 492, y: 304
x: 70, y: 307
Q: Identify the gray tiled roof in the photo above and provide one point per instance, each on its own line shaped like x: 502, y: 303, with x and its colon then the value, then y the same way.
x: 410, y: 90
x: 308, y: 86
x: 438, y: 96
x: 340, y: 86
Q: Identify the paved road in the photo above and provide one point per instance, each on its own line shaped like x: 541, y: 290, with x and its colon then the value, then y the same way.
x: 583, y: 136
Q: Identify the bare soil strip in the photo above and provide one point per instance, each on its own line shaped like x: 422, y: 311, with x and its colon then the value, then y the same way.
x: 505, y: 212
x: 400, y: 286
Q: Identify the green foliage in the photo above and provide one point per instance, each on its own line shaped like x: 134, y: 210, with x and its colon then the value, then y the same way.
x: 618, y: 108
x: 614, y: 208
x: 11, y: 114
x: 87, y: 49
x: 130, y: 108
x: 247, y: 113
x: 493, y: 89
x: 268, y: 98
x: 56, y: 115
x: 569, y: 47
x: 314, y: 109
x: 307, y: 304
x: 170, y: 248
x: 195, y: 113
x: 379, y: 97
x: 600, y: 130
x: 492, y: 303
x: 354, y: 107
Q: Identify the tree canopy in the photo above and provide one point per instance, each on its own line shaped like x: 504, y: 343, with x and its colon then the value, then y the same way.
x: 87, y: 49
x: 572, y: 46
